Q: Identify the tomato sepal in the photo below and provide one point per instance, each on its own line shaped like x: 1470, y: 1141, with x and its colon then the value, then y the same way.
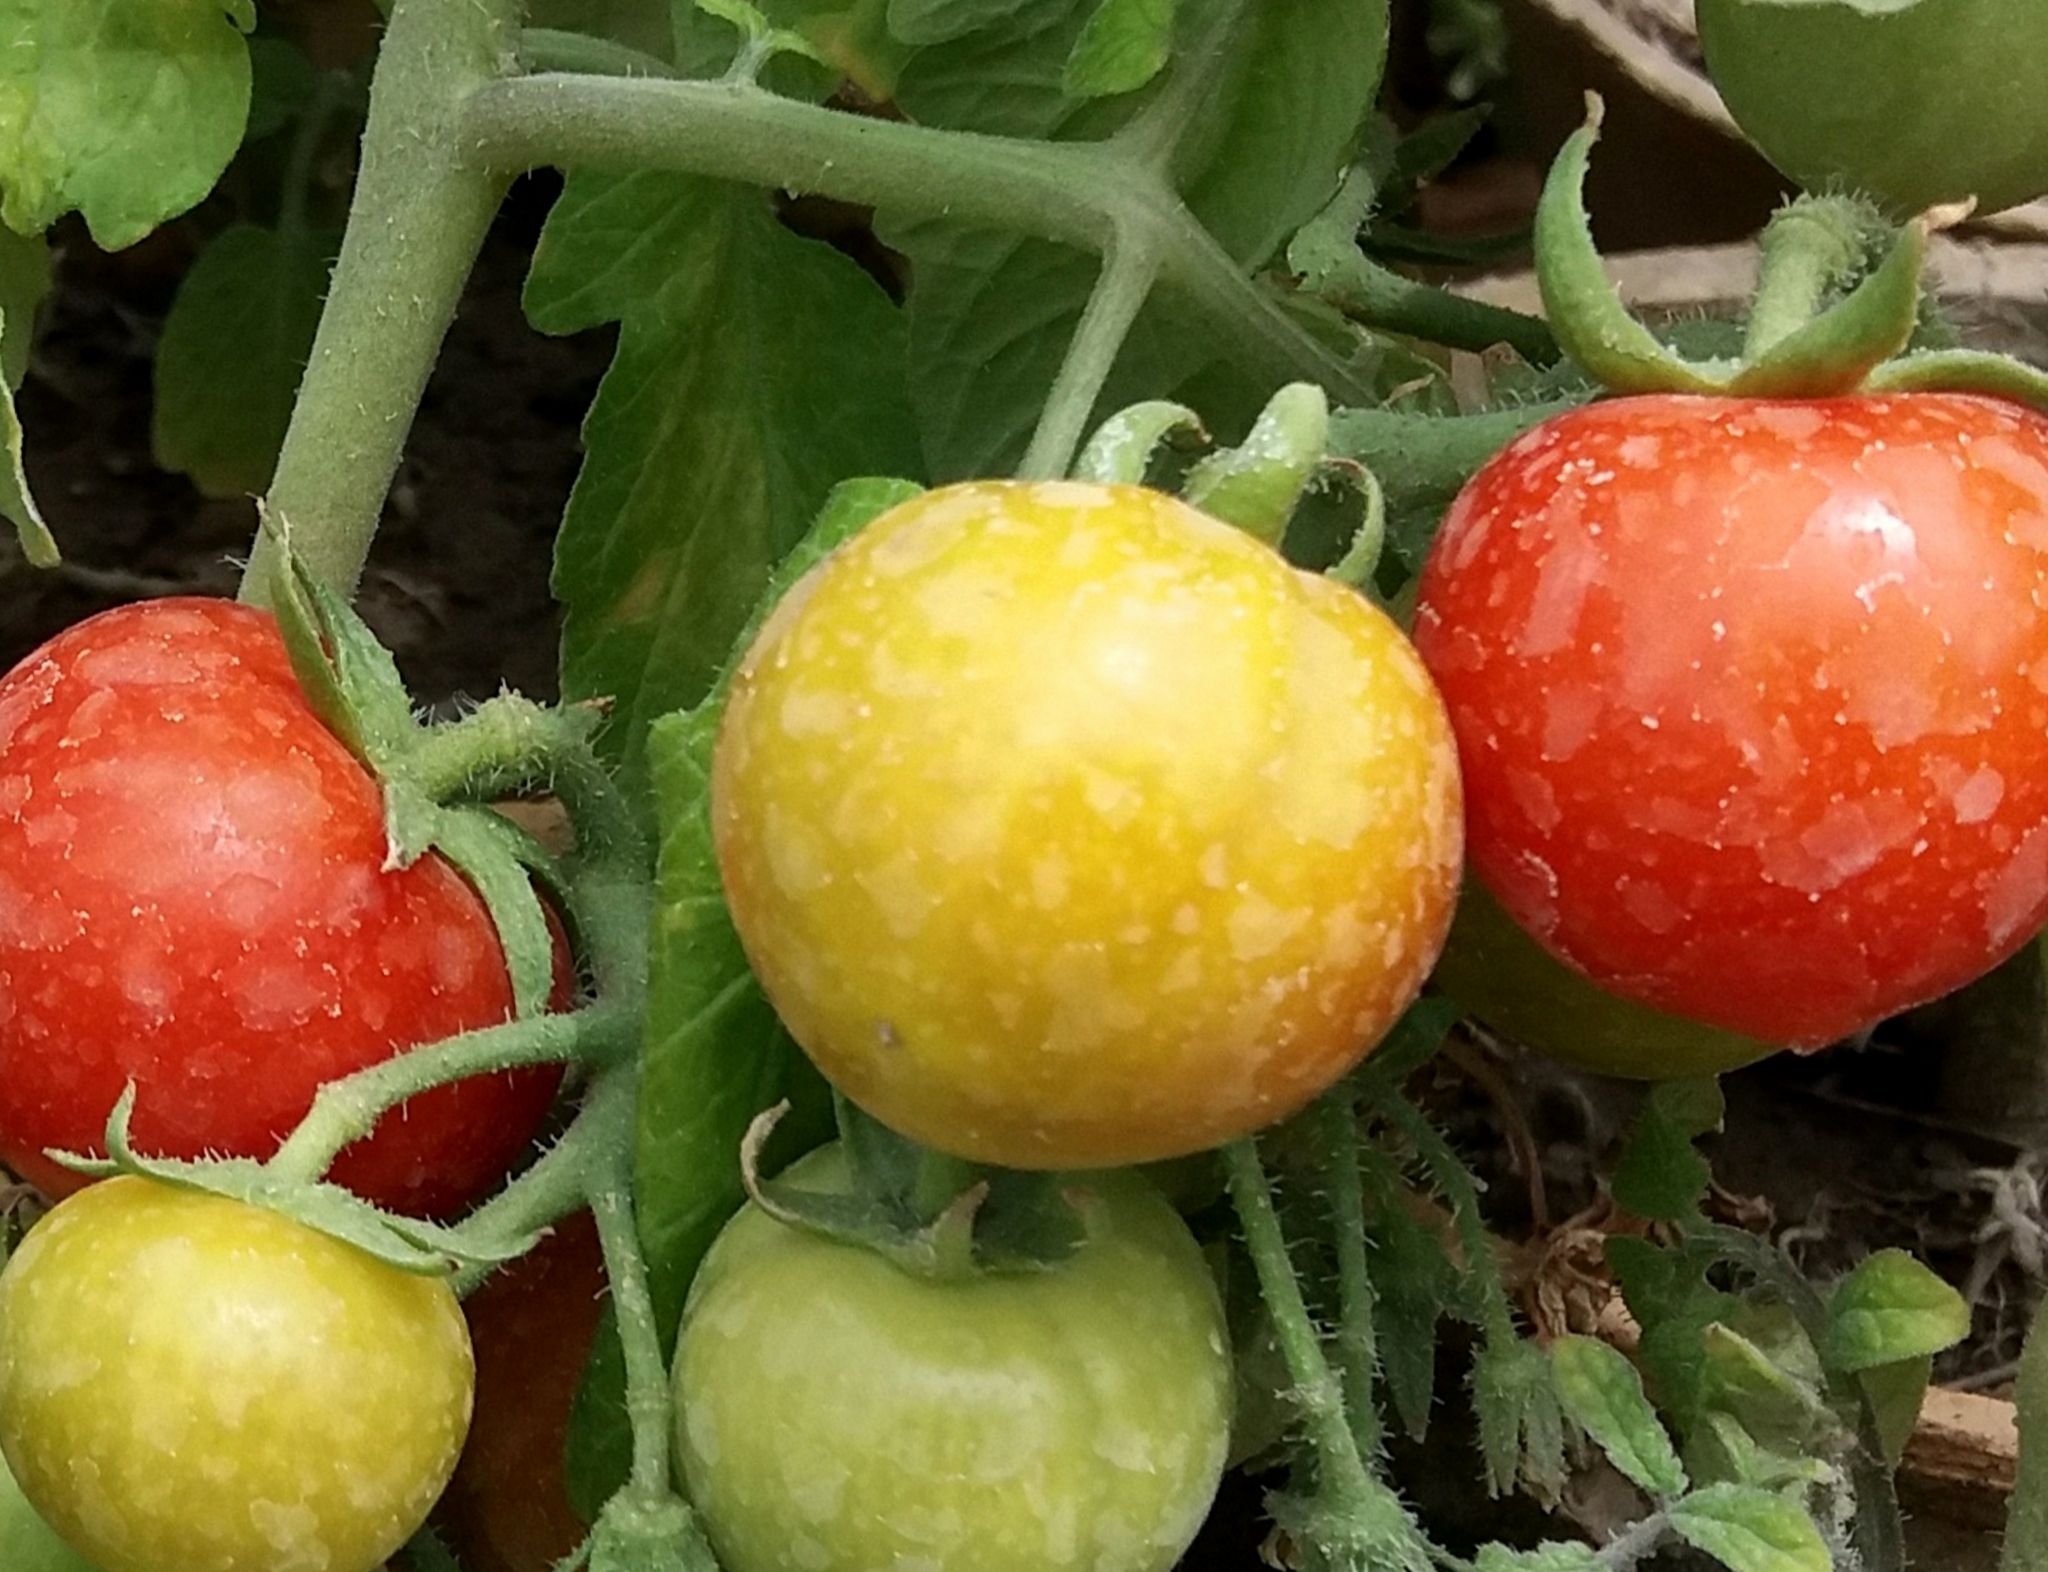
x: 930, y: 1214
x: 638, y: 1533
x: 1849, y: 340
x: 500, y: 860
x: 1123, y: 447
x: 411, y: 1244
x: 349, y: 678
x: 1258, y: 484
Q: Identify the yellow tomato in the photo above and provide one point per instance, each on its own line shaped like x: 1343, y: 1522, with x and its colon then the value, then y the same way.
x: 1068, y: 827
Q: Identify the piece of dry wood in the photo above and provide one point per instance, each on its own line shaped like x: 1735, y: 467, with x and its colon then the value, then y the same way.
x: 1960, y: 1462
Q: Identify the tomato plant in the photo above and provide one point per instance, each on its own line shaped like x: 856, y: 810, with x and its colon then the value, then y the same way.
x: 821, y: 1417
x: 190, y: 1384
x: 1746, y: 689
x: 1915, y: 102
x: 1043, y: 868
x: 199, y: 904
x: 976, y: 688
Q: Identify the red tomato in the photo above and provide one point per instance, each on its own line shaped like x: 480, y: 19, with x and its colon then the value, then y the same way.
x: 193, y: 898
x: 507, y: 1509
x: 1752, y: 698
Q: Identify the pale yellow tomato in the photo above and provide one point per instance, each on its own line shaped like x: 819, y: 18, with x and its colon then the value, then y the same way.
x: 1067, y: 827
x: 191, y: 1384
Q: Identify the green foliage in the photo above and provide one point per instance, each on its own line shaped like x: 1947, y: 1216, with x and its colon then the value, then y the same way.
x: 24, y: 281
x: 1258, y: 147
x: 1603, y: 1395
x: 754, y: 371
x: 1892, y: 1308
x: 1661, y: 1177
x: 233, y: 349
x: 1124, y: 46
x: 17, y: 506
x: 1751, y: 1530
x: 2026, y: 1530
x: 126, y: 112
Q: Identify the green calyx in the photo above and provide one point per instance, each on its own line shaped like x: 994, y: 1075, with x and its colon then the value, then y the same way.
x: 930, y: 1214
x: 1837, y: 308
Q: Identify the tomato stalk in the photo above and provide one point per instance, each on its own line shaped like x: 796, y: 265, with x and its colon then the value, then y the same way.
x: 1354, y: 1520
x: 1336, y: 1128
x: 416, y: 223
x: 1811, y: 246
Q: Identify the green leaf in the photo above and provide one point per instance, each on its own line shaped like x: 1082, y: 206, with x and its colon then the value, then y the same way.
x: 1521, y: 1424
x: 1603, y: 1395
x: 941, y: 21
x: 1125, y: 45
x: 1414, y: 1282
x: 1544, y: 1558
x: 1896, y: 1393
x: 17, y: 506
x: 24, y: 281
x: 754, y: 370
x: 1660, y: 1176
x: 1261, y: 149
x: 1751, y: 1530
x: 1668, y: 1294
x: 1892, y: 1308
x: 1777, y: 1406
x: 234, y: 347
x: 127, y: 112
x: 1720, y: 1451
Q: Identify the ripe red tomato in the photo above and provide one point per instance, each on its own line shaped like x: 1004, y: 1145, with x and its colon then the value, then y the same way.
x: 507, y: 1509
x: 1752, y: 698
x: 193, y: 898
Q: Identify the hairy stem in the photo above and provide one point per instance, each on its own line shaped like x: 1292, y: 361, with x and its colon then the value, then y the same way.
x: 609, y: 1174
x: 1809, y: 248
x: 546, y: 1192
x: 1357, y: 1343
x: 1377, y: 297
x: 346, y: 1110
x: 1317, y: 1391
x: 1085, y: 194
x: 2026, y: 1529
x: 1128, y: 272
x: 421, y: 208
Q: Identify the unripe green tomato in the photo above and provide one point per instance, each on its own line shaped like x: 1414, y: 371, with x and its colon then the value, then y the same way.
x: 1067, y: 827
x: 192, y: 1384
x: 1912, y: 102
x: 1513, y: 985
x: 837, y: 1414
x: 27, y: 1543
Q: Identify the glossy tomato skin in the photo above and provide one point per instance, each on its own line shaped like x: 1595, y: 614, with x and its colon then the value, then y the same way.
x: 190, y: 1384
x: 507, y: 1508
x: 193, y: 898
x: 1914, y: 103
x: 1068, y: 827
x: 1512, y: 985
x: 835, y: 1413
x: 1752, y: 698
x: 27, y: 1543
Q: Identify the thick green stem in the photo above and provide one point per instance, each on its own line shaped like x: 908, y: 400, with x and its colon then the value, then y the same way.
x: 421, y: 208
x: 1357, y: 1342
x: 1128, y: 272
x: 1377, y: 297
x: 345, y: 1111
x: 2026, y: 1529
x: 1809, y: 248
x: 1078, y: 193
x: 1317, y: 1391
